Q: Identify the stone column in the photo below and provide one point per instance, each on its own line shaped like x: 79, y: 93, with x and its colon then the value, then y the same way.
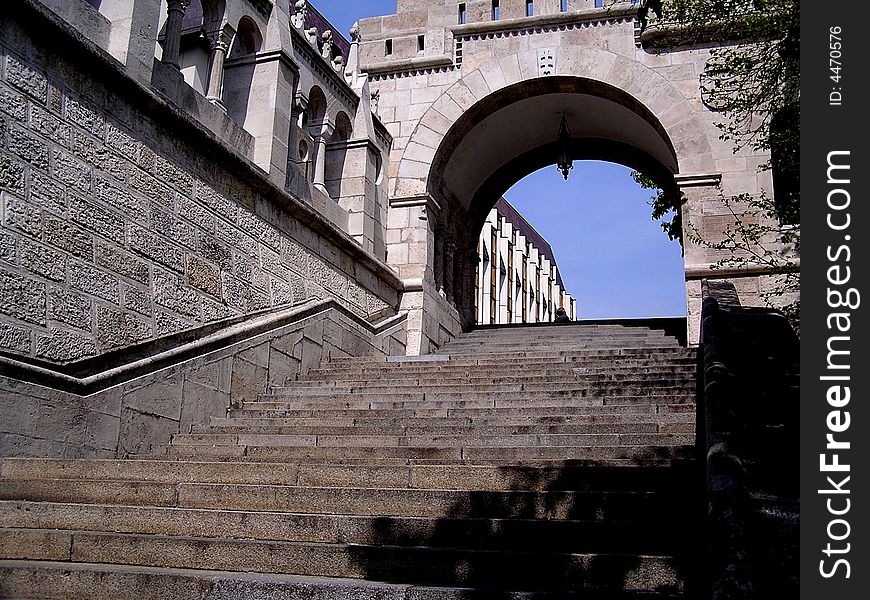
x: 438, y: 267
x: 172, y: 41
x: 448, y: 268
x: 320, y: 158
x: 220, y: 44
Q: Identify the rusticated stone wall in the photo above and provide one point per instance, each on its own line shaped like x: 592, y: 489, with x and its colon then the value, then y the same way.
x: 118, y: 227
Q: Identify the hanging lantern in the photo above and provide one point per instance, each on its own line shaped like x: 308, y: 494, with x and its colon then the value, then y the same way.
x: 564, y: 161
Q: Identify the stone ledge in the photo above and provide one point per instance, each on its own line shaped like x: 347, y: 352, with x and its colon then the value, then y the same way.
x: 93, y: 375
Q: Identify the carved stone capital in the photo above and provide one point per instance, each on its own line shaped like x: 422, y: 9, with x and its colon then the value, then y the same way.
x: 177, y: 5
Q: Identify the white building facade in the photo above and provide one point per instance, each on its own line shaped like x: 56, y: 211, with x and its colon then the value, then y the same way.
x: 517, y: 278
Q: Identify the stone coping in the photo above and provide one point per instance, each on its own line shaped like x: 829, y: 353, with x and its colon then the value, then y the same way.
x: 556, y: 19
x: 91, y: 375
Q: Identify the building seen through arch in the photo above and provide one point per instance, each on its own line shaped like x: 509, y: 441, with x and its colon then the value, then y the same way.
x: 517, y: 279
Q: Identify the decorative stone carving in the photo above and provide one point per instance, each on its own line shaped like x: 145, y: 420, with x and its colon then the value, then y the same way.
x: 326, y: 48
x: 355, y: 35
x: 298, y: 18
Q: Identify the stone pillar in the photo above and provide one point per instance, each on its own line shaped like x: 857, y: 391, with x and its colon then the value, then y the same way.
x: 172, y: 41
x: 320, y: 157
x: 220, y: 44
x: 699, y: 195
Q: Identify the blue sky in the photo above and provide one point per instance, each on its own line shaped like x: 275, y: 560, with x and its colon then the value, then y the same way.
x: 614, y: 259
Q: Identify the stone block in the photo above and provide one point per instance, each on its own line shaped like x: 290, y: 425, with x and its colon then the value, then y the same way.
x: 151, y: 187
x: 45, y: 123
x: 222, y: 206
x: 215, y: 311
x: 242, y: 297
x: 259, y: 229
x: 64, y: 235
x: 201, y: 403
x: 173, y: 227
x: 203, y: 275
x: 47, y: 193
x: 67, y: 306
x: 121, y: 199
x: 214, y: 375
x: 71, y: 171
x: 89, y: 279
x: 15, y: 339
x: 26, y: 78
x: 21, y: 216
x: 82, y: 115
x: 271, y: 261
x: 247, y: 270
x: 96, y: 218
x: 124, y: 263
x: 295, y: 256
x: 28, y: 147
x: 196, y: 214
x: 158, y: 249
x: 176, y: 177
x: 140, y: 432
x: 13, y: 104
x: 42, y: 260
x: 11, y: 174
x: 121, y: 142
x: 22, y: 298
x: 102, y: 430
x: 118, y: 329
x: 64, y: 346
x: 248, y: 381
x: 236, y: 239
x: 216, y: 252
x: 136, y: 299
x: 8, y: 247
x: 171, y: 292
x: 168, y: 324
x: 62, y: 422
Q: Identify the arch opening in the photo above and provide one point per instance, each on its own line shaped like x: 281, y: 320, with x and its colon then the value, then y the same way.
x: 515, y: 132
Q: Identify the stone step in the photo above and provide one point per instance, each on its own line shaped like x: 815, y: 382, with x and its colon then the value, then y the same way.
x: 360, y: 501
x: 454, y: 477
x: 446, y: 392
x: 262, y: 426
x: 654, y: 378
x: 46, y: 580
x: 560, y: 331
x: 457, y: 423
x: 353, y: 403
x: 418, y: 565
x: 434, y: 454
x: 491, y: 371
x: 473, y: 440
x: 538, y: 411
x: 538, y: 535
x: 551, y: 354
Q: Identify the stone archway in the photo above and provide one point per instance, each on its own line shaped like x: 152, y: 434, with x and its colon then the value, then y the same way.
x: 498, y: 123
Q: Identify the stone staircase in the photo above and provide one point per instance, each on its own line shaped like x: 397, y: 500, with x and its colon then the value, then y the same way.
x: 538, y: 462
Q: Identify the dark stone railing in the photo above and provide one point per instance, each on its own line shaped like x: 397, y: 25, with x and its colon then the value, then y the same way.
x: 748, y: 428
